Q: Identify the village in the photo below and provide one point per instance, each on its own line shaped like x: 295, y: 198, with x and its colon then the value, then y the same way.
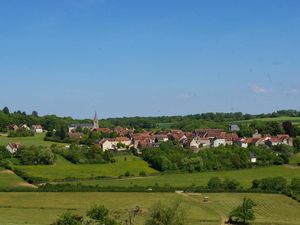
x: 196, y: 140
x: 127, y: 138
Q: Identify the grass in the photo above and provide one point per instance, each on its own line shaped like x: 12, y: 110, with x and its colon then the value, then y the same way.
x: 64, y: 169
x: 37, y: 139
x: 294, y: 120
x: 295, y: 160
x: 245, y: 177
x: 9, y: 180
x: 44, y: 208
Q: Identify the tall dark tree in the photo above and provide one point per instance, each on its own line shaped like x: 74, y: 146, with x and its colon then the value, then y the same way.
x: 35, y: 113
x: 288, y: 128
x: 5, y: 110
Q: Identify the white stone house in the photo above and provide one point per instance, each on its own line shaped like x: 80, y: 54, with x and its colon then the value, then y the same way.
x: 37, y: 128
x: 13, y: 147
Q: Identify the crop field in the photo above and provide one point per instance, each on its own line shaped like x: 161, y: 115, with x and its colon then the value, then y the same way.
x: 65, y: 169
x: 245, y: 177
x: 44, y: 208
x: 9, y: 180
x: 37, y: 139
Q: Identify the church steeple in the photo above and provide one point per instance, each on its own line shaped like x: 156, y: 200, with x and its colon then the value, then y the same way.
x: 96, y: 121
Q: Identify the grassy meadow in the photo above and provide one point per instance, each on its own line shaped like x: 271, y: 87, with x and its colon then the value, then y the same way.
x: 65, y: 169
x: 294, y: 120
x: 245, y: 177
x: 37, y: 139
x: 9, y: 180
x: 44, y: 208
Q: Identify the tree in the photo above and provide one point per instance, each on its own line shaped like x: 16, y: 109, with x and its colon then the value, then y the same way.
x: 68, y: 219
x: 296, y: 144
x: 166, y: 215
x: 6, y: 110
x: 35, y: 113
x: 215, y: 183
x: 243, y: 214
x: 98, y: 214
x: 288, y: 128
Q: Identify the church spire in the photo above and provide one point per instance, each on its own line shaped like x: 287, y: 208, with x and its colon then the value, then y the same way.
x: 96, y: 121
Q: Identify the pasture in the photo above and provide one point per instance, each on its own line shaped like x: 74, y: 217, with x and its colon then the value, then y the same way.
x: 294, y: 120
x: 9, y: 180
x: 37, y: 139
x: 244, y: 176
x: 44, y: 208
x: 65, y: 169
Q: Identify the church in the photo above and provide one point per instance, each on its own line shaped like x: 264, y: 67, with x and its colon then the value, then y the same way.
x: 91, y: 126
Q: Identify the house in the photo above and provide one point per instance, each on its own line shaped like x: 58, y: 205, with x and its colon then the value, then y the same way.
x: 231, y: 138
x: 122, y: 131
x: 279, y: 140
x: 24, y: 126
x: 37, y: 128
x: 103, y: 130
x: 218, y: 141
x: 176, y: 135
x: 196, y: 143
x: 13, y: 147
x: 244, y: 142
x: 145, y: 138
x: 74, y: 126
x: 75, y: 136
x: 256, y: 134
x: 234, y: 128
x: 161, y: 138
x: 118, y: 143
x: 13, y: 127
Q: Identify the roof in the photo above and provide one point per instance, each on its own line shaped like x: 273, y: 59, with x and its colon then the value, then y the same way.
x: 36, y: 127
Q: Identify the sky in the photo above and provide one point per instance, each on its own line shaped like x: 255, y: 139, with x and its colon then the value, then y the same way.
x: 149, y: 57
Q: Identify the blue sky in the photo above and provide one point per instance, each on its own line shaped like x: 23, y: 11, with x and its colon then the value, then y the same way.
x: 155, y: 57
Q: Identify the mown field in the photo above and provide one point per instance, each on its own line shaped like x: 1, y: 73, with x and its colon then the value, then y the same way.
x: 44, y: 208
x: 65, y: 169
x: 9, y: 180
x: 294, y: 120
x: 37, y: 139
x: 245, y: 177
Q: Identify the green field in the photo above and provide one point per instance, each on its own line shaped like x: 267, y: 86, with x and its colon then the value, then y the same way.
x: 37, y: 139
x: 65, y: 169
x: 9, y: 180
x: 294, y: 120
x: 245, y: 177
x: 43, y: 208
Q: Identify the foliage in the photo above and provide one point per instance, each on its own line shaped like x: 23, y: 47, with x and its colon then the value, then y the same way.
x: 96, y: 215
x: 244, y: 213
x: 170, y: 156
x: 68, y: 219
x: 270, y: 184
x: 215, y: 183
x: 85, y: 154
x: 166, y: 215
x: 35, y: 156
x: 21, y: 132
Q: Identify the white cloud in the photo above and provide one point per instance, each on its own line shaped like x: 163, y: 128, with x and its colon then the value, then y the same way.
x: 259, y: 89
